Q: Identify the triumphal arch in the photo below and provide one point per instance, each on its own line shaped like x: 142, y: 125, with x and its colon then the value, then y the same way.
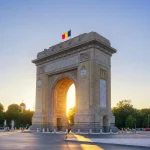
x: 84, y: 60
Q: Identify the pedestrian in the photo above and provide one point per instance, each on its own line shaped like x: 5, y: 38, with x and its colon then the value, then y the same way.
x: 67, y: 133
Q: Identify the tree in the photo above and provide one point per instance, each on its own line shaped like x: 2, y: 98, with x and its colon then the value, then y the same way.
x: 1, y: 114
x: 22, y: 119
x: 26, y: 118
x: 145, y: 122
x: 70, y: 116
x: 2, y: 118
x: 123, y: 109
x: 1, y: 108
x: 144, y: 117
x: 13, y: 113
x: 130, y: 121
x: 14, y: 108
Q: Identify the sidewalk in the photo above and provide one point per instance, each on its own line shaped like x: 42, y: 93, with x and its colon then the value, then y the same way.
x: 9, y: 132
x: 138, y: 142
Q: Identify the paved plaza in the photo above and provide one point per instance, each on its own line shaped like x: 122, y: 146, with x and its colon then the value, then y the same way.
x: 140, y: 139
x: 45, y: 141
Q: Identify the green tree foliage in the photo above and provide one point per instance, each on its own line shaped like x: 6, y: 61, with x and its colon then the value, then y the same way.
x: 22, y: 119
x: 125, y: 113
x: 1, y: 114
x: 123, y: 109
x: 13, y: 113
x: 145, y: 112
x: 130, y: 121
x: 70, y: 116
x: 145, y: 122
x: 1, y: 118
x: 26, y: 118
x: 1, y: 108
x: 14, y: 108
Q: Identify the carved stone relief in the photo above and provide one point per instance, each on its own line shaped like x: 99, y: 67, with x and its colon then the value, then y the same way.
x: 103, y: 74
x: 61, y: 64
x: 39, y: 83
x: 85, y: 56
x: 40, y: 69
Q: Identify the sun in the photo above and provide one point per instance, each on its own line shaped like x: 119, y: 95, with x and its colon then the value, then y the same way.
x: 70, y: 97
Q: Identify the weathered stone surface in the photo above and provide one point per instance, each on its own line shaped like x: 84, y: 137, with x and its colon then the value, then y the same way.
x: 84, y: 60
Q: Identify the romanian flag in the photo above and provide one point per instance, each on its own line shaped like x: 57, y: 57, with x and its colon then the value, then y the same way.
x: 67, y: 34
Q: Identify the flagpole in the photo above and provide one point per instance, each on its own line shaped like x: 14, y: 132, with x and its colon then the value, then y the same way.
x: 70, y: 35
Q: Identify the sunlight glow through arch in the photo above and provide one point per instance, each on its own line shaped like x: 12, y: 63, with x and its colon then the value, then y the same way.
x: 70, y: 97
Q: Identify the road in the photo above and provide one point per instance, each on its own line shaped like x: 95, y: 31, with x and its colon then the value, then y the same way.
x: 39, y: 141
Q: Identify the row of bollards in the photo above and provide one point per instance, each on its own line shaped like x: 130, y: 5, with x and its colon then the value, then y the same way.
x: 47, y: 130
x: 79, y: 132
x: 133, y: 131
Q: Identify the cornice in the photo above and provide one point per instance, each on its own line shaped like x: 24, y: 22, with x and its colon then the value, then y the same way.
x: 73, y: 50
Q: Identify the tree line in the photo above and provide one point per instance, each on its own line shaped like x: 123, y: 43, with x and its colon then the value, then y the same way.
x: 126, y: 116
x: 21, y: 118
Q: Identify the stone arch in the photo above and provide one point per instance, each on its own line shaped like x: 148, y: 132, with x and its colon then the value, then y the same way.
x: 59, y: 96
x: 72, y: 75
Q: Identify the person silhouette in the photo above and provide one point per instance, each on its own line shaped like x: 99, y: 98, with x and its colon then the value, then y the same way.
x: 69, y: 129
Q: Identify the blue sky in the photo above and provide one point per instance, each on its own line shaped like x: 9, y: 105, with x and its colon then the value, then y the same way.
x: 29, y: 26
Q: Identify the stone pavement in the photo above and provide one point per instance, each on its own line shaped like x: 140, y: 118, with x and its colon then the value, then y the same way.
x: 9, y: 133
x: 41, y: 141
x: 138, y: 140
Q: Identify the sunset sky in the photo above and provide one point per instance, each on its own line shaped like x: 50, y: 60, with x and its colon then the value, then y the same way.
x: 29, y: 26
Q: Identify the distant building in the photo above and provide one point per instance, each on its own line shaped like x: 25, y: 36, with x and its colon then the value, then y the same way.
x: 23, y: 106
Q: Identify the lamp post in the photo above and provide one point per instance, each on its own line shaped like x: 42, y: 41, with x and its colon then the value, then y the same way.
x: 148, y: 120
x: 135, y: 125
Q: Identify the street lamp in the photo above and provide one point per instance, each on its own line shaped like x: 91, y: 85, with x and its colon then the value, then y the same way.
x: 135, y: 124
x: 148, y: 120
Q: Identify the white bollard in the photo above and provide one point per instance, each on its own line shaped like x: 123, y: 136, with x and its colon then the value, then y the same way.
x: 43, y: 130
x: 100, y: 131
x: 47, y: 129
x: 66, y: 130
x: 111, y: 131
x: 29, y: 129
x: 90, y: 131
x: 54, y: 130
x: 125, y: 131
x: 38, y: 130
x: 78, y: 131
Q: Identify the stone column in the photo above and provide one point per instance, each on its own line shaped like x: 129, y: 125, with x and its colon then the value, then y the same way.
x: 38, y: 115
x: 83, y: 116
x: 39, y: 119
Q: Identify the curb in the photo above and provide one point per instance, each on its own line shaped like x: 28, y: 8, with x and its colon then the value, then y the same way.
x: 85, y: 142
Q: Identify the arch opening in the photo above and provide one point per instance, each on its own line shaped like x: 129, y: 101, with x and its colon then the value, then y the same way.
x: 70, y: 98
x: 64, y: 99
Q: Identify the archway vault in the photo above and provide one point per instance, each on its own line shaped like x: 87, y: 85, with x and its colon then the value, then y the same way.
x: 60, y: 102
x: 60, y: 95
